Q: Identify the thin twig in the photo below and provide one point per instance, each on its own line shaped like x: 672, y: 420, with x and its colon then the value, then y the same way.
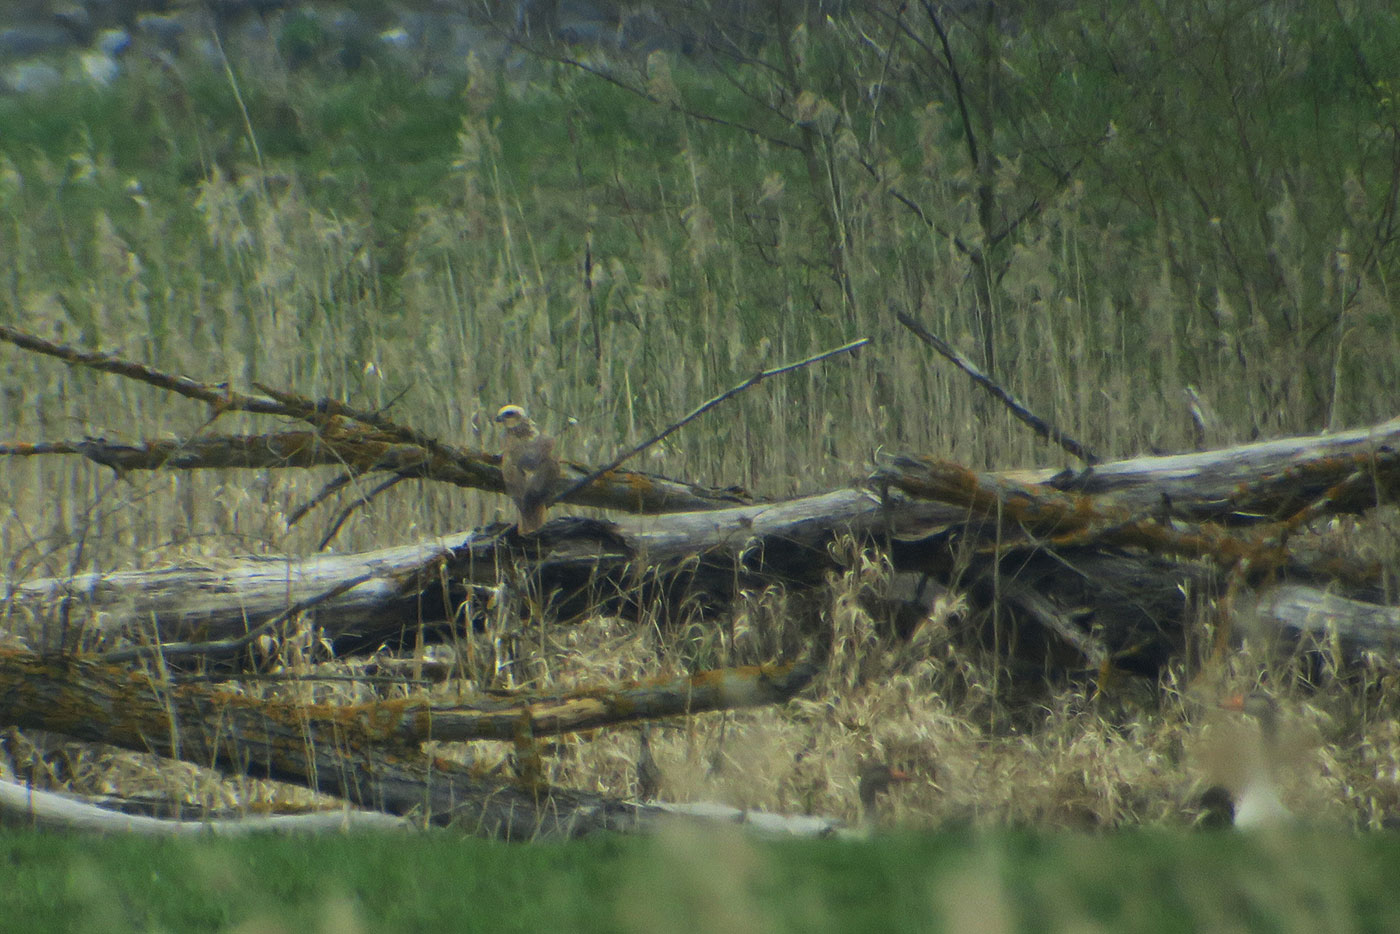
x: 959, y: 92
x: 1018, y: 409
x: 677, y: 106
x: 701, y: 410
x: 323, y: 494
x: 363, y: 500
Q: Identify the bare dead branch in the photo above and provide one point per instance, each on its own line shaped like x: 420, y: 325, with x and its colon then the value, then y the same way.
x: 34, y: 448
x: 324, y: 493
x: 1043, y: 610
x: 318, y: 410
x: 219, y: 396
x: 1323, y: 616
x: 358, y: 502
x: 702, y: 409
x: 1025, y: 512
x: 676, y: 106
x: 341, y: 439
x: 363, y: 450
x: 1186, y: 504
x: 723, y: 689
x: 1016, y: 407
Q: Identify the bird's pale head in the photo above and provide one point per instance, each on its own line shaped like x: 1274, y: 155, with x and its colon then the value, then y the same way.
x: 511, y: 415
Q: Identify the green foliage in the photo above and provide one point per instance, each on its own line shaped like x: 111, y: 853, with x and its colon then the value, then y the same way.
x: 301, y: 39
x: 704, y: 881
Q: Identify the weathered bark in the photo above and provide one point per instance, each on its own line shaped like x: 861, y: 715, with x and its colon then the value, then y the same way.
x: 400, y: 723
x: 1132, y: 508
x: 367, y: 753
x: 575, y: 560
x: 21, y: 805
x: 1296, y: 610
x: 1268, y: 481
x: 1288, y: 479
x: 225, y: 599
x: 1013, y: 513
x: 501, y: 718
x: 362, y: 451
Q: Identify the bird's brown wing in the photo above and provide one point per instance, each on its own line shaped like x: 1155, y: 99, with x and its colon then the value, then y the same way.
x: 531, y: 471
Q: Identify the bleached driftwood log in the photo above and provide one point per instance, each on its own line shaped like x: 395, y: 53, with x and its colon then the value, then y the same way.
x: 426, y: 581
x: 1297, y: 610
x: 25, y: 806
x: 1288, y: 480
x: 1344, y: 471
x: 1147, y: 505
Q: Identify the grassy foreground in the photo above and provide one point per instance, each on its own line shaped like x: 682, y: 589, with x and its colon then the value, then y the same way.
x: 688, y: 881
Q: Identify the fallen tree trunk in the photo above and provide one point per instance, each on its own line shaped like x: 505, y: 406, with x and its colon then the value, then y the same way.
x: 101, y: 703
x: 1298, y: 611
x: 367, y: 753
x: 501, y: 718
x: 131, y: 703
x: 1135, y: 510
x: 426, y: 582
x: 1285, y: 479
x: 1269, y: 481
x: 1122, y: 506
x: 22, y: 805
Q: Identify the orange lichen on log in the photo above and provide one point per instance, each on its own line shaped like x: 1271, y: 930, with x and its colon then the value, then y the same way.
x: 103, y: 702
x: 641, y: 483
x: 1076, y: 518
x: 594, y: 707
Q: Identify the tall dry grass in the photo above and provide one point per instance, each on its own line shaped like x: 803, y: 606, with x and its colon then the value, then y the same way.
x: 709, y: 257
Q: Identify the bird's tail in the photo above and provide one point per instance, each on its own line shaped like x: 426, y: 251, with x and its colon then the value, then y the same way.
x: 531, y: 519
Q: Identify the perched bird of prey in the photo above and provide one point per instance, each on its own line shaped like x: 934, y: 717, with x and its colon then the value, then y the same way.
x: 528, y: 466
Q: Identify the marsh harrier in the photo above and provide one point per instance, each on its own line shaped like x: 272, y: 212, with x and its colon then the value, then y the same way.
x: 529, y: 467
